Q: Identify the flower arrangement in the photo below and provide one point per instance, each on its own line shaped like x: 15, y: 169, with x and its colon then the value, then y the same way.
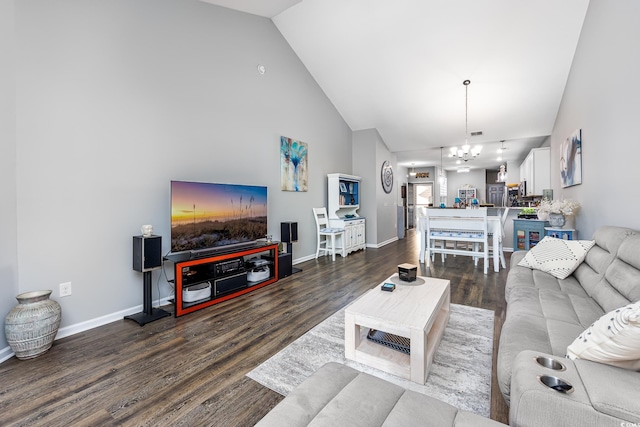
x: 565, y: 207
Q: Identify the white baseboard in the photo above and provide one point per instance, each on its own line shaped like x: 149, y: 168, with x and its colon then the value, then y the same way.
x: 103, y: 320
x: 303, y: 259
x: 6, y: 353
x: 386, y: 242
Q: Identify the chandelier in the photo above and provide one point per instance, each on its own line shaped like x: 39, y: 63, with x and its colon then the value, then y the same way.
x: 466, y: 152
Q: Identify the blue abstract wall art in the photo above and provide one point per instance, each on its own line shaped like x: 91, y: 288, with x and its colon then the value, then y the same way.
x: 294, y: 159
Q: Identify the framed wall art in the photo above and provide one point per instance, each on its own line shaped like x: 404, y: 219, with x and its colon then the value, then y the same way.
x: 294, y: 175
x: 571, y: 160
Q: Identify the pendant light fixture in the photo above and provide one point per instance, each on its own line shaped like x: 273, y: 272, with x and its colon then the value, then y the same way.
x: 501, y: 150
x: 466, y: 153
x: 502, y: 147
x: 502, y: 174
x: 466, y: 147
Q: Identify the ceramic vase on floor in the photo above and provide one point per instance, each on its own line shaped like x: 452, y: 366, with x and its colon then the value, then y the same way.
x: 31, y: 326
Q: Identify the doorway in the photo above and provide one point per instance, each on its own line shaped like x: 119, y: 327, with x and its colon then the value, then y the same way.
x: 422, y: 198
x: 497, y: 195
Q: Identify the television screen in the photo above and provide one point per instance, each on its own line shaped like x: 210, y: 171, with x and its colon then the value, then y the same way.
x: 209, y: 215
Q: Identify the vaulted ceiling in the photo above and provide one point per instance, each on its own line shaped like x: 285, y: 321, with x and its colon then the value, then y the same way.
x: 398, y: 66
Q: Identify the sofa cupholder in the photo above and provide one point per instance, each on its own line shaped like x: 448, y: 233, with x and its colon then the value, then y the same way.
x: 550, y: 363
x: 555, y: 383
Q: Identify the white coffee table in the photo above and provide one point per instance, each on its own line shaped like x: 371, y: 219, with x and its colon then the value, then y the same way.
x: 416, y: 310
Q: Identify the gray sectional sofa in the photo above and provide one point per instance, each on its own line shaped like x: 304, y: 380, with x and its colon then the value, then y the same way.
x: 337, y: 395
x: 545, y: 315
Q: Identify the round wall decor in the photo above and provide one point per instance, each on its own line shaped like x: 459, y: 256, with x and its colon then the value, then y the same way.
x: 386, y: 174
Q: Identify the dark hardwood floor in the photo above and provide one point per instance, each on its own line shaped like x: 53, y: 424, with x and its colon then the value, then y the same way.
x: 191, y: 370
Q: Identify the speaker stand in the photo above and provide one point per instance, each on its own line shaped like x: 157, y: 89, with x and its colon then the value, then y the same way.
x: 149, y: 314
x: 294, y: 270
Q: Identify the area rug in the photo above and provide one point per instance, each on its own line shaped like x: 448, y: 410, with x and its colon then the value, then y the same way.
x: 460, y: 373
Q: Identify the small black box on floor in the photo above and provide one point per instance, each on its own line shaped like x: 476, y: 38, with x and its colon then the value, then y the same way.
x: 407, y: 272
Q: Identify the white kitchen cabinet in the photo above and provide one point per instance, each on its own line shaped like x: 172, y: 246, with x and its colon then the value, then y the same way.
x: 536, y: 171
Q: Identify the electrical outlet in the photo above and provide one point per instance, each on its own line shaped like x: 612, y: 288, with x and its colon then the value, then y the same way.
x: 65, y: 289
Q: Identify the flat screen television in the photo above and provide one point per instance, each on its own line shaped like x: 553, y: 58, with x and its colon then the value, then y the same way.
x: 211, y: 215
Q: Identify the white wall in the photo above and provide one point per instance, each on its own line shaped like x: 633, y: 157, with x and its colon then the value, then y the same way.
x: 117, y: 98
x: 8, y: 212
x: 601, y: 98
x: 513, y: 172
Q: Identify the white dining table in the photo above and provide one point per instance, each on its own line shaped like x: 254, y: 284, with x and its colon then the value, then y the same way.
x: 494, y: 224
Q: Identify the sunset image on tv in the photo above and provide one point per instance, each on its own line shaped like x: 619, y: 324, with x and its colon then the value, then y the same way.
x: 205, y: 215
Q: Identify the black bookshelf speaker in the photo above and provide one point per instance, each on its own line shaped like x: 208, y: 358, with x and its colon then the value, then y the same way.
x: 147, y: 253
x: 288, y: 232
x: 284, y: 265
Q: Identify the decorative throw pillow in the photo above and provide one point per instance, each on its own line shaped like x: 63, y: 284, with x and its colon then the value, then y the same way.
x: 557, y: 257
x: 613, y: 339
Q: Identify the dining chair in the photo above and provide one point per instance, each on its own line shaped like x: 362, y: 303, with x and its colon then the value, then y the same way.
x: 458, y: 225
x: 330, y: 240
x: 503, y: 221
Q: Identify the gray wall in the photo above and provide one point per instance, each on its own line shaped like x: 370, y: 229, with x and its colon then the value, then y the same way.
x: 433, y: 175
x: 601, y: 98
x: 8, y: 218
x: 402, y: 177
x: 117, y: 98
x: 379, y: 208
x: 476, y: 178
x: 364, y: 155
x: 387, y: 220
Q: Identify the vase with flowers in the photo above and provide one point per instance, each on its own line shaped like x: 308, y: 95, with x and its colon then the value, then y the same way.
x: 555, y: 211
